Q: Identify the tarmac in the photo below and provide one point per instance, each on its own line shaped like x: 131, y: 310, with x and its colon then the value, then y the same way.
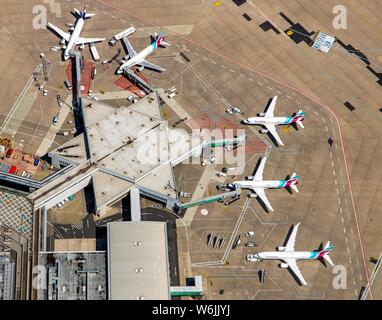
x: 235, y: 61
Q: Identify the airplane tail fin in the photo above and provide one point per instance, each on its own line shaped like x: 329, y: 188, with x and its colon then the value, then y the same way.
x: 159, y: 39
x: 325, y: 253
x: 293, y: 181
x: 299, y: 118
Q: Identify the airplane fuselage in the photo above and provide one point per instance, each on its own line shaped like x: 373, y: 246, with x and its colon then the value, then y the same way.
x: 74, y: 37
x: 268, y: 120
x: 281, y: 255
x: 138, y: 58
x: 264, y: 184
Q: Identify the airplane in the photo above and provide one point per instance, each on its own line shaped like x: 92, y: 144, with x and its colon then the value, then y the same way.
x: 74, y: 38
x: 138, y: 59
x: 289, y: 256
x: 258, y: 185
x: 269, y: 121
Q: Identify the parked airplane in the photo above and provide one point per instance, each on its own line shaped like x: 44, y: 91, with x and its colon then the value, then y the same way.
x: 258, y: 185
x: 138, y: 59
x: 289, y: 256
x: 269, y: 121
x: 74, y: 38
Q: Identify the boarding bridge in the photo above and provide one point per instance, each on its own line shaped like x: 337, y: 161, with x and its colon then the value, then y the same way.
x: 137, y: 79
x: 217, y: 197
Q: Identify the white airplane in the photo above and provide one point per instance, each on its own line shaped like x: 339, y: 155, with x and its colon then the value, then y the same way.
x: 269, y: 121
x: 138, y: 59
x: 258, y: 185
x: 74, y: 38
x: 289, y: 256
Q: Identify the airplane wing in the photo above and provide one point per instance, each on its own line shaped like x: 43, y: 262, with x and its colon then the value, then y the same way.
x: 128, y: 47
x: 272, y: 130
x: 149, y: 65
x: 261, y: 194
x: 259, y: 172
x: 60, y: 32
x: 293, y: 266
x: 271, y: 108
x: 88, y: 40
x: 292, y: 239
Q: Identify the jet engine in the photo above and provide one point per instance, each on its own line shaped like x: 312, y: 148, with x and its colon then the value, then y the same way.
x: 82, y: 46
x: 283, y: 265
x: 264, y: 131
x: 280, y: 248
x: 249, y: 178
x: 261, y: 114
x: 140, y: 68
x: 62, y: 41
x: 253, y: 195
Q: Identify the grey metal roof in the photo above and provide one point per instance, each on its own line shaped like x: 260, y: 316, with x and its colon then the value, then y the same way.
x: 138, y: 261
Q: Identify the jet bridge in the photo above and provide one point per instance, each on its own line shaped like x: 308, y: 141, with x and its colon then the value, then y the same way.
x: 137, y: 79
x: 217, y: 197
